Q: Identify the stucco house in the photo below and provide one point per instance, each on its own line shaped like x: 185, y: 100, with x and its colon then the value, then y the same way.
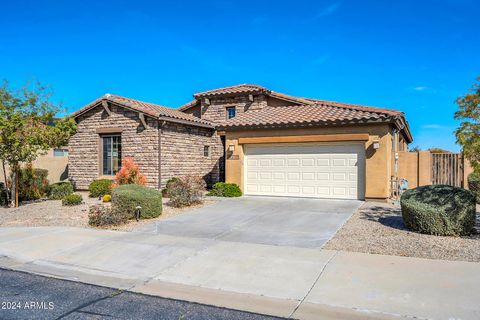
x: 267, y: 142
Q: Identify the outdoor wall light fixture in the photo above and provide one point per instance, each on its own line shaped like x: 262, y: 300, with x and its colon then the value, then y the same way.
x: 231, y: 148
x: 376, y: 144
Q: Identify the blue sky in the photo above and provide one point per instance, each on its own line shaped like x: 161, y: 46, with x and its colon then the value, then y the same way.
x: 415, y: 56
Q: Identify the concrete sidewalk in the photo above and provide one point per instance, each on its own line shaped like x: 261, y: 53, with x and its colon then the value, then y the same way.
x: 301, y: 283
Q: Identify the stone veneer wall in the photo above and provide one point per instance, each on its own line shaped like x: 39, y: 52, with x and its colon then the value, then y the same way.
x: 216, y: 110
x: 137, y: 142
x: 182, y: 152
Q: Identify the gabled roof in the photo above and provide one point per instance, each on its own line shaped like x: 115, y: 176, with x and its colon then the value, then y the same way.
x: 150, y: 109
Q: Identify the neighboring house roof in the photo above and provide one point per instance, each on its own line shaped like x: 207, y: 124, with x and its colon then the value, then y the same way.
x: 150, y: 109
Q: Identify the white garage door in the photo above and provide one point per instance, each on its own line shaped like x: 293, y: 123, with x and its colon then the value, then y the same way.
x: 305, y: 170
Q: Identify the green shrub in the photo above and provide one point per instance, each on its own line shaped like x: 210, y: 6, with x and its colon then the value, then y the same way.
x: 99, y: 188
x: 100, y: 215
x: 107, y: 198
x: 474, y: 184
x: 439, y: 210
x: 222, y: 189
x: 3, y: 195
x: 127, y: 197
x: 59, y: 190
x: 32, y: 183
x: 168, y: 185
x: 186, y: 191
x: 73, y: 199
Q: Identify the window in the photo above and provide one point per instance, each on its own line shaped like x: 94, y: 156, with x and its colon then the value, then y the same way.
x: 111, y: 154
x: 206, y: 151
x: 60, y: 152
x: 231, y: 112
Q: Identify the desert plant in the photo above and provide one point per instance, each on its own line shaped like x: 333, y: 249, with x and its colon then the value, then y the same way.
x: 126, y: 198
x: 222, y: 189
x: 100, y: 215
x: 187, y: 191
x: 129, y: 174
x: 60, y: 189
x: 107, y: 198
x: 73, y: 199
x: 167, y: 186
x: 32, y: 183
x: 474, y: 184
x: 99, y: 188
x: 439, y: 210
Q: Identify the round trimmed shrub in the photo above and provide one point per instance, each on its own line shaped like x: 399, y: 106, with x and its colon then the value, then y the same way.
x: 439, y: 210
x: 73, y: 199
x: 222, y: 189
x: 59, y: 190
x: 99, y: 188
x: 187, y: 191
x: 474, y: 184
x: 127, y: 197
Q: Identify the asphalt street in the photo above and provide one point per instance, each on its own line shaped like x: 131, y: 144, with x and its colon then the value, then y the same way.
x: 28, y: 296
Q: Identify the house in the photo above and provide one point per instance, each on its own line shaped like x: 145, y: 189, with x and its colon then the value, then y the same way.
x: 267, y: 142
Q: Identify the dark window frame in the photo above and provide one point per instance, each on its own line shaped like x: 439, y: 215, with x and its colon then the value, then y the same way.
x: 110, y: 159
x: 229, y: 116
x: 206, y: 151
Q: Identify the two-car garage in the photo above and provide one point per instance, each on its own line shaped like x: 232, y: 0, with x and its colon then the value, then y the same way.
x: 317, y: 170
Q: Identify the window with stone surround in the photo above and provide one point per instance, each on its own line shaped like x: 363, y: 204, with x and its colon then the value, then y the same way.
x: 206, y: 151
x: 111, y: 154
x: 231, y: 112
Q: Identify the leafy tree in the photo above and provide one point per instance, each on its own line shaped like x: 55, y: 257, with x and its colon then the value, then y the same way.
x: 468, y: 133
x: 415, y: 149
x: 28, y: 127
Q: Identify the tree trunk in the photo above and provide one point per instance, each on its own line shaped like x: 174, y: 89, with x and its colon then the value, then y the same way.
x: 4, y: 172
x: 14, y: 191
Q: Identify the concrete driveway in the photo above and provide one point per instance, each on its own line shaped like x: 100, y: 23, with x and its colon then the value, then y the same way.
x: 297, y: 222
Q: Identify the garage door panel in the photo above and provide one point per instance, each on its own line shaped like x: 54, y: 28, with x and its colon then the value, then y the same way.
x: 325, y: 171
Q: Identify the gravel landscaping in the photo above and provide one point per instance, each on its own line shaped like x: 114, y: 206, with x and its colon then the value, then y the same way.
x: 378, y: 228
x: 52, y: 213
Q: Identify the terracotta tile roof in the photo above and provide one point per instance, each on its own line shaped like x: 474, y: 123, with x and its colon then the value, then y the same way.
x: 153, y: 110
x: 307, y: 114
x: 241, y: 88
x: 188, y: 105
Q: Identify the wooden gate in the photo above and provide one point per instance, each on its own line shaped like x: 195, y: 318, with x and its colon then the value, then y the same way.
x: 447, y: 168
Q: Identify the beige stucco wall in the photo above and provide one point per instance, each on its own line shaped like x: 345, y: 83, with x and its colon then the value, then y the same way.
x: 56, y: 166
x: 378, y: 162
x: 415, y: 167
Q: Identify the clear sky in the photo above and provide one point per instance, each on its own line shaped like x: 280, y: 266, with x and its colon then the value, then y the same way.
x: 414, y: 56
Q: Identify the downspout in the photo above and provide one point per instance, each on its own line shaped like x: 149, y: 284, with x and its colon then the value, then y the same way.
x: 159, y: 155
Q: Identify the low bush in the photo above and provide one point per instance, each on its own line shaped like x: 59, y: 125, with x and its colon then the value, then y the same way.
x: 100, y: 215
x: 167, y: 186
x: 439, y: 210
x: 222, y: 189
x: 186, y: 191
x: 99, y: 188
x: 107, y: 198
x: 73, y: 199
x: 32, y: 183
x: 474, y: 184
x: 3, y: 195
x: 127, y: 197
x: 59, y: 190
x: 129, y: 173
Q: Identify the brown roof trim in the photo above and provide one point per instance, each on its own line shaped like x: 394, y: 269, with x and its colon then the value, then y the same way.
x: 188, y: 105
x: 306, y: 138
x: 148, y: 109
